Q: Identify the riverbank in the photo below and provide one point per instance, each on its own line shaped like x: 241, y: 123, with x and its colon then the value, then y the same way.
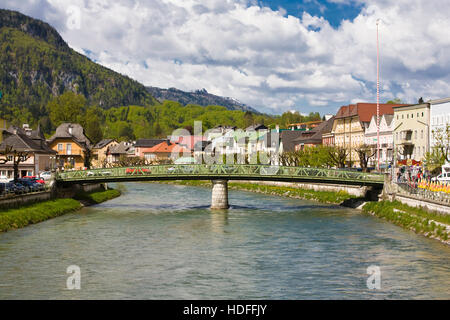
x: 330, y: 197
x: 29, y: 214
x: 430, y: 224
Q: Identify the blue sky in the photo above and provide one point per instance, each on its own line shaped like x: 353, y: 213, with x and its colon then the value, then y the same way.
x: 276, y: 56
x: 334, y: 13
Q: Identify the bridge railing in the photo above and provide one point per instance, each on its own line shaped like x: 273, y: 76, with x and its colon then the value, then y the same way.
x: 217, y: 170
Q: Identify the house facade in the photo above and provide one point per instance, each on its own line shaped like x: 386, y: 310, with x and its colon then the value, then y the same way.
x: 71, y: 145
x: 386, y: 144
x: 142, y: 147
x: 351, y: 123
x: 39, y: 156
x: 99, y: 152
x: 439, y: 117
x: 411, y: 131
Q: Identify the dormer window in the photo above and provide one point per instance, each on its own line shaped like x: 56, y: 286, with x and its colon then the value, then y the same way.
x: 70, y: 130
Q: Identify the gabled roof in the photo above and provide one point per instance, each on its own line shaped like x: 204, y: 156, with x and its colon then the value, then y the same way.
x: 167, y: 147
x: 257, y: 127
x: 148, y: 143
x: 21, y: 142
x: 288, y: 137
x: 365, y: 111
x: 63, y: 132
x: 103, y: 143
x: 121, y: 148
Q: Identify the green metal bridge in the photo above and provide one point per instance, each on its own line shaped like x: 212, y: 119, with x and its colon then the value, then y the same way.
x: 221, y: 172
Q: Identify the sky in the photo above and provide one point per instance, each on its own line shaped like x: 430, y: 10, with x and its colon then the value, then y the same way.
x: 276, y: 56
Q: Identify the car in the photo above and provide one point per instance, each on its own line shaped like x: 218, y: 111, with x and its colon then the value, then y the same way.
x: 30, y: 185
x: 16, y: 188
x: 4, y: 179
x: 443, y: 177
x: 34, y: 179
x: 45, y: 175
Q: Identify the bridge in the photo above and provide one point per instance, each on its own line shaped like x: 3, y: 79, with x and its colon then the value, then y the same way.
x: 219, y: 174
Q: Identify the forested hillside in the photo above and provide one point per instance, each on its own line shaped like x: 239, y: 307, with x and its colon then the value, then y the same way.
x: 36, y: 65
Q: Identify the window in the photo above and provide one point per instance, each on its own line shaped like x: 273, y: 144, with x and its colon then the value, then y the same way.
x: 415, y: 134
x: 69, y: 148
x: 422, y: 114
x: 421, y: 134
x: 412, y: 115
x: 417, y: 114
x: 403, y: 116
x: 60, y: 147
x: 407, y: 116
x: 423, y: 151
x: 397, y: 117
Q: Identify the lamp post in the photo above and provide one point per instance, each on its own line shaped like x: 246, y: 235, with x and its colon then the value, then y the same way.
x: 378, y: 101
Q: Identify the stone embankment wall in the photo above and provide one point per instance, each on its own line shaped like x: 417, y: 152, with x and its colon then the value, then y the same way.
x: 352, y: 190
x: 17, y: 201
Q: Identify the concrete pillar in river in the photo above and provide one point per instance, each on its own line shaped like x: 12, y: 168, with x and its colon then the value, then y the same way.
x: 219, y: 198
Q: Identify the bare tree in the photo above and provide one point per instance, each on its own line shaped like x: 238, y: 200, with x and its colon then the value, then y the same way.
x: 365, y: 153
x: 17, y: 157
x: 338, y: 156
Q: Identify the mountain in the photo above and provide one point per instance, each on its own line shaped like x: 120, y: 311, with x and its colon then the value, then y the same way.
x: 37, y: 64
x: 198, y: 97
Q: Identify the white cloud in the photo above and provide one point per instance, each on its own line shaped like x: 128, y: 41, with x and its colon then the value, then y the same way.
x: 262, y: 57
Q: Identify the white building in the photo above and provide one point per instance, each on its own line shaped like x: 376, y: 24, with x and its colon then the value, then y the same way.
x: 439, y: 116
x: 386, y: 138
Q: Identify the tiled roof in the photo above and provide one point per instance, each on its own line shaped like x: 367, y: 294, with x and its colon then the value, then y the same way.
x: 365, y: 111
x: 288, y: 137
x: 103, y: 143
x: 21, y: 142
x: 166, y: 147
x: 148, y: 143
x: 77, y: 134
x: 121, y: 148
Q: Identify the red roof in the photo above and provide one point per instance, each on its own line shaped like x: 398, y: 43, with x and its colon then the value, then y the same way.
x: 366, y: 111
x: 167, y: 147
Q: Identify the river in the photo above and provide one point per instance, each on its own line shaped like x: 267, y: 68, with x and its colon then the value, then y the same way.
x: 161, y: 241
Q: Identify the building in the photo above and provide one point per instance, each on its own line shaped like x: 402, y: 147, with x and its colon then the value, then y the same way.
x: 123, y: 149
x: 72, y: 146
x: 439, y: 117
x: 327, y: 134
x: 40, y: 156
x: 142, y: 147
x: 99, y: 152
x: 386, y: 139
x: 350, y: 124
x: 304, y: 125
x: 314, y: 136
x: 287, y: 137
x: 164, y: 150
x: 411, y: 131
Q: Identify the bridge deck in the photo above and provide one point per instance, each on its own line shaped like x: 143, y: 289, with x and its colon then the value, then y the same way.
x: 221, y: 171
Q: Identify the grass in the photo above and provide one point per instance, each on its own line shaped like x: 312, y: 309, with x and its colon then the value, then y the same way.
x: 37, y: 212
x: 34, y: 213
x: 292, y: 192
x: 416, y: 219
x: 98, y: 196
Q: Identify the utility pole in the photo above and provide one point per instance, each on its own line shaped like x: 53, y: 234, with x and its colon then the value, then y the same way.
x: 378, y: 101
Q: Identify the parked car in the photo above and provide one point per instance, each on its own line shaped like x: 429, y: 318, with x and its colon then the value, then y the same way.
x: 30, y: 185
x: 34, y: 179
x: 16, y: 188
x: 45, y: 175
x: 443, y: 177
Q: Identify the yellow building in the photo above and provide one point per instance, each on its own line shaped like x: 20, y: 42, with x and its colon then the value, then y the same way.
x: 100, y: 152
x: 350, y: 124
x: 71, y: 145
x: 411, y: 130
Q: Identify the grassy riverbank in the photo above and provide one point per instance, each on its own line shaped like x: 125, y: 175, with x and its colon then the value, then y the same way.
x: 97, y: 197
x: 37, y: 212
x: 429, y: 224
x: 291, y: 192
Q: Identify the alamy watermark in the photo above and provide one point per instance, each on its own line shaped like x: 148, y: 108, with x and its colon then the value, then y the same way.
x: 74, y: 280
x: 374, y: 280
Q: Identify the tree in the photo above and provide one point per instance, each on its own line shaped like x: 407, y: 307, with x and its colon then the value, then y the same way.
x: 68, y: 107
x: 441, y: 137
x: 338, y: 156
x: 10, y: 154
x: 365, y: 153
x: 395, y: 101
x: 93, y: 129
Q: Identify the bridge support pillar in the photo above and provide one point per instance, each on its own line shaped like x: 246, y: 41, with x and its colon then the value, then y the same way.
x: 219, y: 198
